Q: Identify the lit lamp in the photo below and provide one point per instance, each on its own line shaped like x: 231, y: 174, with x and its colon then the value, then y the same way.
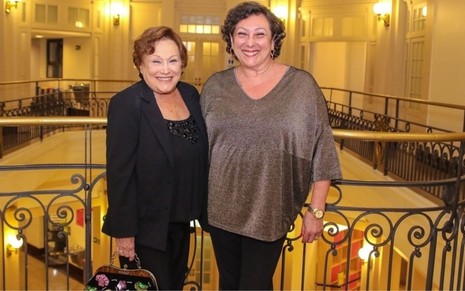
x: 116, y: 10
x: 281, y: 12
x: 13, y: 245
x: 9, y: 4
x: 116, y: 19
x: 383, y: 10
x: 364, y: 252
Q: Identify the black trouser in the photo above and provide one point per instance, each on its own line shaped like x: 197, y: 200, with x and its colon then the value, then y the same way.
x: 169, y: 267
x: 245, y: 263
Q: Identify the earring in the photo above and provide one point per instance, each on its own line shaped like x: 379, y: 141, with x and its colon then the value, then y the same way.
x: 272, y: 54
x: 231, y: 58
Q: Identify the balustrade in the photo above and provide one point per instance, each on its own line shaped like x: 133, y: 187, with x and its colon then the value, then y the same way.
x: 413, y: 239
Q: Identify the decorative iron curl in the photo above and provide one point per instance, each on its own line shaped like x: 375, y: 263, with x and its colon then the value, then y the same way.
x: 450, y: 226
x: 288, y: 243
x: 23, y: 217
x: 292, y: 228
x: 337, y: 200
x: 332, y: 229
x: 376, y: 230
x: 64, y: 212
x: 80, y: 180
x: 20, y: 214
x: 416, y: 235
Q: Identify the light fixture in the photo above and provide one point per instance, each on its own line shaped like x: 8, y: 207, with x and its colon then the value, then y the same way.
x: 364, y: 252
x: 281, y: 12
x: 116, y: 19
x: 13, y: 245
x: 9, y: 4
x: 383, y: 10
x: 424, y: 11
x: 116, y: 10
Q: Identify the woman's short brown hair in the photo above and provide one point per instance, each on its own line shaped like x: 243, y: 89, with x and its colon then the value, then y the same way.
x: 145, y: 44
x: 243, y: 11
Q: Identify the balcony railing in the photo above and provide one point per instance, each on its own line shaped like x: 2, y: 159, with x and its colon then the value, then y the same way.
x: 422, y: 160
x: 412, y: 239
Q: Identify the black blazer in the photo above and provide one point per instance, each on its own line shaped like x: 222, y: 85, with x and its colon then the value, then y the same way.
x: 140, y: 164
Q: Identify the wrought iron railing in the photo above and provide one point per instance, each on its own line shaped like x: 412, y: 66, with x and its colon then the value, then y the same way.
x: 414, y: 241
x: 421, y: 160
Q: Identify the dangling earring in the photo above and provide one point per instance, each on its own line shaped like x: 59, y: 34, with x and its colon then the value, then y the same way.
x: 231, y: 59
x: 272, y: 54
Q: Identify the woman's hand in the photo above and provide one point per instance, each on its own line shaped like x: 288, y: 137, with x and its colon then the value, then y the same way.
x: 125, y: 247
x: 311, y: 228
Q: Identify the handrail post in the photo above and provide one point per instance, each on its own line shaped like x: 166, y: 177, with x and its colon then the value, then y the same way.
x: 37, y: 88
x: 386, y: 106
x: 463, y: 127
x: 350, y: 103
x: 1, y: 142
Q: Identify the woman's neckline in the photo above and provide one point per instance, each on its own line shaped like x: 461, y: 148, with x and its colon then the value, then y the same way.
x: 277, y: 83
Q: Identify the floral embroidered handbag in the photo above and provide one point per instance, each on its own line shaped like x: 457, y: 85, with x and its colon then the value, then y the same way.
x: 110, y: 277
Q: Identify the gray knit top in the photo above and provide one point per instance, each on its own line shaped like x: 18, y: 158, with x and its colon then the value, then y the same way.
x: 265, y: 154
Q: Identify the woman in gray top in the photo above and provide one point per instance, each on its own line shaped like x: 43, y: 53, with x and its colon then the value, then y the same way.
x: 270, y: 141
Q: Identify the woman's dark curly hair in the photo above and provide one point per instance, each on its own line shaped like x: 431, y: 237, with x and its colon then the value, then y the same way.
x: 243, y: 11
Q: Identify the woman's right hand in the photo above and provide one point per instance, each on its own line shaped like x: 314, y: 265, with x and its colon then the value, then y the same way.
x: 125, y: 247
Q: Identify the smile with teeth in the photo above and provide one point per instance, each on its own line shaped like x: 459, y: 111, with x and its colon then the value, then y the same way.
x: 250, y: 53
x: 164, y: 78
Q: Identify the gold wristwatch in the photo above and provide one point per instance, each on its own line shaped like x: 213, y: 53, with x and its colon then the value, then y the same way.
x: 317, y: 213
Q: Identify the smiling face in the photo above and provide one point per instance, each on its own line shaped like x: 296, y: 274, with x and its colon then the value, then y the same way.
x: 162, y: 70
x: 252, y: 41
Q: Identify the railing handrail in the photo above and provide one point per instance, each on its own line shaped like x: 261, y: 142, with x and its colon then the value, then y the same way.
x: 406, y: 99
x: 64, y: 80
x: 337, y: 133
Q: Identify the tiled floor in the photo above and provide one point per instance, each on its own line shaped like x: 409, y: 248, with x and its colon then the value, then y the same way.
x: 57, y: 278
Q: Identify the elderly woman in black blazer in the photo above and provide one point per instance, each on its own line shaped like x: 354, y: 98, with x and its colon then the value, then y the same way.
x: 157, y: 160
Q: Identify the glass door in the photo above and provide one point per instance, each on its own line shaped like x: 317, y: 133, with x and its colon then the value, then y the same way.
x: 205, y: 57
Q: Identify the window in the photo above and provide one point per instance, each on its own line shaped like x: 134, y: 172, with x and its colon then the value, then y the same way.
x: 415, y: 48
x: 78, y: 17
x: 200, y: 24
x: 46, y: 14
x: 419, y: 17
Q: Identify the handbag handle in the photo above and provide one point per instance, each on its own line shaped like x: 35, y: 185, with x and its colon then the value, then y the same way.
x: 136, y: 258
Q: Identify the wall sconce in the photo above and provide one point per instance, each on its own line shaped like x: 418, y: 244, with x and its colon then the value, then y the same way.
x: 9, y: 4
x: 13, y: 245
x: 281, y: 12
x: 116, y: 19
x: 116, y: 10
x: 383, y: 10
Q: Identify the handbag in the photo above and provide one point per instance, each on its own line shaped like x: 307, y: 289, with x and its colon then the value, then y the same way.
x: 110, y: 277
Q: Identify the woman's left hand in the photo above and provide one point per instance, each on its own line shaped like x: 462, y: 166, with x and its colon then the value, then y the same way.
x: 125, y: 247
x: 311, y: 228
